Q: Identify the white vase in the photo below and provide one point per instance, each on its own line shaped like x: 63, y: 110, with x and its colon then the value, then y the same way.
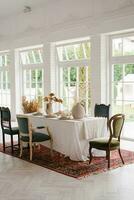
x: 49, y: 109
x: 78, y: 111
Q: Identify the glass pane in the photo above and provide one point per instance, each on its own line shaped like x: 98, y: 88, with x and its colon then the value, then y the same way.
x: 73, y: 74
x: 72, y: 91
x: 117, y: 46
x: 87, y: 47
x: 70, y: 52
x: 65, y: 75
x: 82, y: 91
x: 88, y: 89
x: 33, y: 92
x: 117, y: 91
x: 39, y: 98
x: 33, y: 85
x: 129, y: 73
x: 128, y: 46
x: 31, y: 56
x: 118, y: 72
x: 39, y: 91
x: 38, y: 55
x: 89, y: 73
x: 8, y: 85
x: 33, y: 76
x: 128, y: 91
x: 79, y: 51
x: 82, y: 74
x: 27, y: 85
x: 39, y: 75
x: 61, y: 53
x: 27, y: 75
x: 39, y: 85
x: 4, y: 60
x: 129, y: 110
x: 89, y: 106
x: 117, y: 107
x: 74, y: 51
x: 27, y: 91
x: 71, y: 102
x: 8, y: 59
x: 65, y: 90
x: 65, y: 103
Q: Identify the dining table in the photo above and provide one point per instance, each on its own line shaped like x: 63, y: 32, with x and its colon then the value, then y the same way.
x: 71, y: 137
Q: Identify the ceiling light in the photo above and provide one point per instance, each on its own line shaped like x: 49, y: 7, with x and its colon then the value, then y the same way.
x: 27, y: 9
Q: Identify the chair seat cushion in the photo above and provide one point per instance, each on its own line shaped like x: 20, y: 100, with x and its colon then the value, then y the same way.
x: 36, y: 137
x: 102, y: 143
x: 14, y: 131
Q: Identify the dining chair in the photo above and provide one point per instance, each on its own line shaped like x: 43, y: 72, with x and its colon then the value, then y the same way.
x: 30, y: 136
x: 101, y: 110
x: 113, y: 142
x: 7, y: 128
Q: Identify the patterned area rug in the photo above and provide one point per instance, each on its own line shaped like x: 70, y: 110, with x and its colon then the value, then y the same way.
x: 65, y: 166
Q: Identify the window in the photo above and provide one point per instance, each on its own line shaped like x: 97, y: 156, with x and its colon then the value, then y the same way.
x: 75, y: 73
x: 33, y: 73
x: 123, y: 46
x: 122, y: 63
x: 5, y: 79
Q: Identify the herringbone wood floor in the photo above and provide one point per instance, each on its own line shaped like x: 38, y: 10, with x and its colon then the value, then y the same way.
x: 20, y: 180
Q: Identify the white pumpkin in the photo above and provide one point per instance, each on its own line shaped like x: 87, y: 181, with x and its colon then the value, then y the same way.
x: 78, y: 111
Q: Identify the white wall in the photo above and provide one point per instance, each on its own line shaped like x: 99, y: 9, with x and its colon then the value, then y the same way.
x: 63, y: 20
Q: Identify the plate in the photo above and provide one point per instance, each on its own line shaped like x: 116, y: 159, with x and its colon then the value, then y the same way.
x: 64, y: 118
x: 50, y: 116
x: 37, y: 114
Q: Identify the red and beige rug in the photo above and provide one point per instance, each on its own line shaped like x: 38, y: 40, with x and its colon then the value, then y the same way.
x: 75, y: 169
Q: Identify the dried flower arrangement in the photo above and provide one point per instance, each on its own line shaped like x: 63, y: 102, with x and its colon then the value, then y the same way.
x: 30, y: 106
x: 52, y: 98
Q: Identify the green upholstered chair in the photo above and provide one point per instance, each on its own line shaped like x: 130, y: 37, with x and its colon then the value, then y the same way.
x: 7, y: 129
x: 101, y: 110
x: 30, y: 136
x: 113, y: 142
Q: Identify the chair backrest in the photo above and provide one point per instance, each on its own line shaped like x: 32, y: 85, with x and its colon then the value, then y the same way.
x: 23, y: 125
x: 101, y: 110
x: 5, y: 118
x: 115, y: 125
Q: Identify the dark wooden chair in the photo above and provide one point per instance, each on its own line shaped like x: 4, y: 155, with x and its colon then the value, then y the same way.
x: 101, y: 110
x: 7, y: 129
x: 113, y: 142
x: 30, y: 136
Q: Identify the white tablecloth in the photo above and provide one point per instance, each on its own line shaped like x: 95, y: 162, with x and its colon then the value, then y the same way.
x: 71, y: 137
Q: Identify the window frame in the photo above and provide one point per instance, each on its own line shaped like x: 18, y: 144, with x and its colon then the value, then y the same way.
x: 120, y: 60
x: 30, y: 67
x: 84, y: 62
x: 6, y: 68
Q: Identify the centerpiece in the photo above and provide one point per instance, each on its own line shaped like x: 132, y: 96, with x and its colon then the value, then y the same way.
x: 30, y: 106
x: 50, y: 99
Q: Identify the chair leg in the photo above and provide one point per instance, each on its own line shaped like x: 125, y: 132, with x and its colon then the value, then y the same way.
x: 12, y: 143
x: 39, y: 147
x: 121, y: 156
x: 3, y: 136
x: 90, y: 153
x: 21, y: 148
x: 18, y: 140
x: 31, y: 151
x: 51, y: 146
x: 108, y: 156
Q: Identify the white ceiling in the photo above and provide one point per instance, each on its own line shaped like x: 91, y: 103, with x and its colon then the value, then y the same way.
x: 15, y: 7
x: 50, y: 15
